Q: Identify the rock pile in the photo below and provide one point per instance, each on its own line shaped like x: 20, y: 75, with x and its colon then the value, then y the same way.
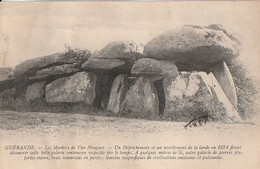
x: 181, y: 75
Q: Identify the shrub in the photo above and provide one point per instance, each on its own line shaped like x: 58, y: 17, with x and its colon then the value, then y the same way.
x: 77, y: 54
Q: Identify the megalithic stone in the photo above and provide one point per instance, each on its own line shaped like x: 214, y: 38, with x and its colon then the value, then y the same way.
x: 225, y: 111
x: 154, y: 69
x: 118, y: 92
x: 35, y: 91
x: 187, y: 96
x: 141, y: 100
x: 79, y: 87
x: 115, y: 58
x: 28, y: 68
x: 194, y: 43
x: 224, y: 78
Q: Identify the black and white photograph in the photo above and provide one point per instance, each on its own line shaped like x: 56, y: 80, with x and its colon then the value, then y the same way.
x: 129, y: 85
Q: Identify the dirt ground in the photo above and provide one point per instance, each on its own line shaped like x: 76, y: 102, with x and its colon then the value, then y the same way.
x: 38, y: 124
x: 49, y: 129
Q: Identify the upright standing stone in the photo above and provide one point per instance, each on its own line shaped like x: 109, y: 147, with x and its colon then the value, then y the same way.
x: 224, y: 78
x: 224, y: 109
x: 141, y: 100
x: 188, y: 96
x: 118, y: 92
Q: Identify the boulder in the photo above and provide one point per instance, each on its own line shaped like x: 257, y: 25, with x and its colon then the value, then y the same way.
x: 141, y: 101
x: 225, y: 111
x: 154, y: 69
x: 118, y: 92
x: 224, y: 78
x: 115, y: 58
x: 79, y: 87
x: 187, y: 96
x: 7, y: 80
x: 30, y: 67
x: 55, y: 71
x: 35, y: 91
x: 193, y: 44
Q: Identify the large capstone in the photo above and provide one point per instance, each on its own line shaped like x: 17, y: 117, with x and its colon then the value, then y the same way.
x: 118, y: 92
x: 55, y: 71
x: 187, y: 96
x: 141, y: 101
x: 117, y: 57
x: 79, y: 87
x: 154, y: 69
x: 30, y: 67
x: 225, y: 111
x: 224, y: 78
x: 194, y: 44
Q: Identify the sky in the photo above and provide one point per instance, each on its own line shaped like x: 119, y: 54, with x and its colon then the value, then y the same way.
x: 33, y: 29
